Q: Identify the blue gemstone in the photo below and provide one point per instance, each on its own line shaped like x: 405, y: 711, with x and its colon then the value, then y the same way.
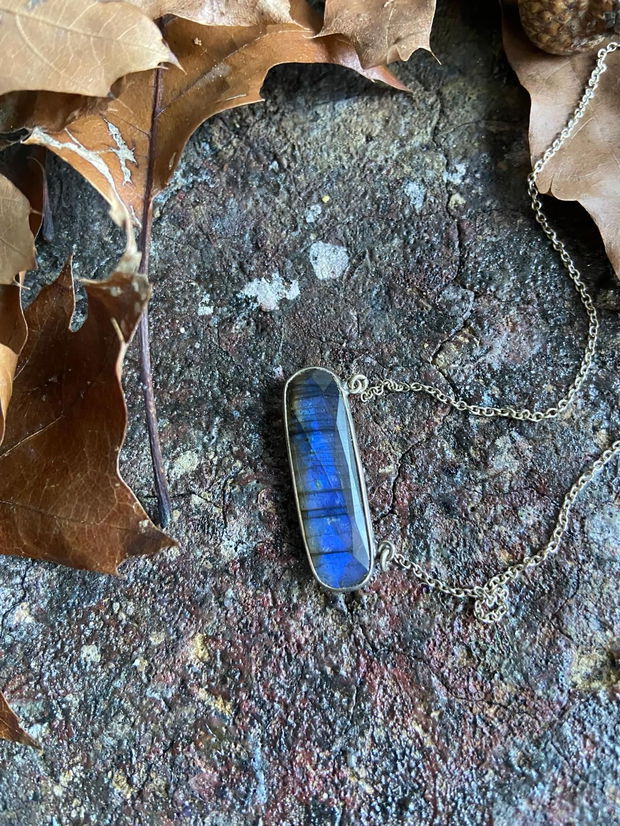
x: 328, y: 479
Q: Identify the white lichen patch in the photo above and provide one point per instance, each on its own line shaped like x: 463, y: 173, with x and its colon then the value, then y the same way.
x: 187, y: 462
x: 313, y: 212
x: 269, y: 292
x: 455, y: 174
x: 22, y: 613
x: 416, y: 192
x: 456, y: 202
x: 90, y: 654
x: 328, y: 260
x: 204, y: 306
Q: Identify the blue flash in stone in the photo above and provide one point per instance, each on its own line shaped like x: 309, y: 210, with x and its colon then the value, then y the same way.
x: 329, y: 484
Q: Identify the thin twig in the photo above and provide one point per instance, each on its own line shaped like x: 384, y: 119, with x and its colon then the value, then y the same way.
x: 161, y: 483
x: 146, y: 373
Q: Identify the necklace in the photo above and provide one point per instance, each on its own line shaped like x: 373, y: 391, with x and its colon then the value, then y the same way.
x: 328, y: 478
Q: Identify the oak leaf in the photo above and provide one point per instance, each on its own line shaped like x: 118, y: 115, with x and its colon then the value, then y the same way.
x: 10, y: 728
x: 27, y: 172
x: 381, y: 30
x: 129, y: 151
x: 75, y: 47
x: 49, y: 110
x: 587, y: 167
x: 12, y: 339
x: 16, y: 238
x: 61, y: 496
x: 218, y: 13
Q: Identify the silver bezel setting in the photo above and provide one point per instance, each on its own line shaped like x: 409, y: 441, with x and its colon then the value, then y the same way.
x: 359, y: 468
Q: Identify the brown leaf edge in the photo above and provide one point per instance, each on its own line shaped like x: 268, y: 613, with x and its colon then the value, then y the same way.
x: 13, y: 334
x: 17, y: 251
x: 381, y: 32
x: 26, y: 170
x: 10, y: 728
x: 89, y: 518
x: 91, y: 45
x: 586, y: 169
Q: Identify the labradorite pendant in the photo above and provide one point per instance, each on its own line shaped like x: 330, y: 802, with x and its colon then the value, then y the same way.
x: 328, y: 479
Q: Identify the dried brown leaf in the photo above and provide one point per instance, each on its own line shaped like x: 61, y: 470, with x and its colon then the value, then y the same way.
x: 24, y: 166
x: 27, y: 173
x: 129, y: 151
x: 16, y: 239
x: 75, y: 47
x: 61, y: 496
x: 10, y: 728
x: 12, y: 339
x: 49, y: 110
x: 381, y: 30
x: 587, y: 168
x: 216, y: 13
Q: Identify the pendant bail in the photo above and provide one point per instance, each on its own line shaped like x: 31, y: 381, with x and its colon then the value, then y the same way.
x: 357, y: 384
x: 386, y: 552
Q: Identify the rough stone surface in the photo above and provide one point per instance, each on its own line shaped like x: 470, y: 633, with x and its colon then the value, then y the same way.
x: 349, y: 226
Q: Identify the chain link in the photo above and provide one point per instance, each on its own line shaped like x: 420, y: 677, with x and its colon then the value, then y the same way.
x: 491, y: 598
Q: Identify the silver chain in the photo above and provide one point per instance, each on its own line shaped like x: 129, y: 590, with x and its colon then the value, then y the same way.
x: 490, y: 599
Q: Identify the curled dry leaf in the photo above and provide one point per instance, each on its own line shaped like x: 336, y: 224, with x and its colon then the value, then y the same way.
x: 381, y: 30
x: 129, y: 151
x: 587, y: 168
x: 28, y: 175
x: 61, y: 496
x: 27, y: 171
x: 12, y: 339
x: 16, y: 238
x: 216, y: 13
x: 50, y: 110
x: 10, y: 728
x: 75, y: 47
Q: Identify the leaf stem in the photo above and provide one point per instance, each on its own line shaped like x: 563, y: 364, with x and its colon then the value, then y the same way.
x: 146, y: 372
x: 164, y: 505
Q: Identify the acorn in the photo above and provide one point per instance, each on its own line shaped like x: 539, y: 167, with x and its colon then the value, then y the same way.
x: 569, y: 26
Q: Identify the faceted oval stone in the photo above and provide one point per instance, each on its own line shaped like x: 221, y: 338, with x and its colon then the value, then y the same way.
x: 328, y: 478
